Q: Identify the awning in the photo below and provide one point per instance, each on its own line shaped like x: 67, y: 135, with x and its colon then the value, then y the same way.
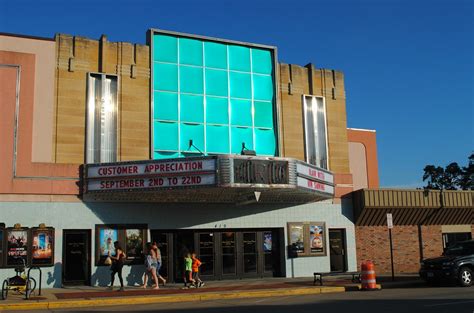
x: 212, y: 179
x: 413, y: 207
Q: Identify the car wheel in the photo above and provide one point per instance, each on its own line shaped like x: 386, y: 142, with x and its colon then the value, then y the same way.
x: 466, y: 277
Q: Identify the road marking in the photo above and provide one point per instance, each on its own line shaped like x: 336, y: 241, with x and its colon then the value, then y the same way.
x: 450, y: 303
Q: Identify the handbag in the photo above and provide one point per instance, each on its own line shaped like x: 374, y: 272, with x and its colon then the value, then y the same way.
x: 108, y: 261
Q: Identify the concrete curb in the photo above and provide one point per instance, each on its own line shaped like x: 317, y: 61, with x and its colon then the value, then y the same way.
x: 48, y: 305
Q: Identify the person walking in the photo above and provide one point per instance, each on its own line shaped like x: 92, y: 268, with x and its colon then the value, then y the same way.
x: 151, y: 266
x: 188, y: 267
x: 195, y: 267
x: 117, y: 265
x: 158, y: 263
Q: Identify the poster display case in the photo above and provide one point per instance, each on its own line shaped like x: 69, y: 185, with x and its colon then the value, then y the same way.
x: 16, y: 247
x: 42, y: 246
x: 131, y: 238
x: 306, y: 239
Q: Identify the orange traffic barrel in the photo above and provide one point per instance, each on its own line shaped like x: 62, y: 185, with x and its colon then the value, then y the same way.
x: 368, y: 276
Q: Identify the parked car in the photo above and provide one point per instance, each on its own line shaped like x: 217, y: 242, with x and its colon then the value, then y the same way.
x: 456, y: 264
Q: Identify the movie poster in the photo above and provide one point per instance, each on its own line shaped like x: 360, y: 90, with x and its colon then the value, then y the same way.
x: 17, y: 246
x: 107, y: 237
x: 1, y: 247
x: 42, y: 247
x: 267, y: 241
x: 134, y: 243
x: 297, y: 238
x: 316, y: 239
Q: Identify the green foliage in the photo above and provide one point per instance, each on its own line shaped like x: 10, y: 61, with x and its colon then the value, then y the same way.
x: 452, y: 177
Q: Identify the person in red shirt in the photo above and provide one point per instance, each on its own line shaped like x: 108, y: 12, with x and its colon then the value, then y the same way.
x: 196, y: 264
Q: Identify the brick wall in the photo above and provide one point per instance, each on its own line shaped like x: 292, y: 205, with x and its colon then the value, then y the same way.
x: 373, y: 243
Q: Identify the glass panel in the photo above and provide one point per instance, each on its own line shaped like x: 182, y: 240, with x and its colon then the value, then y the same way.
x: 158, y: 155
x: 192, y: 108
x: 250, y: 242
x: 265, y: 141
x: 241, y: 112
x: 263, y: 114
x: 228, y: 264
x: 239, y: 58
x: 165, y: 77
x: 165, y: 49
x: 262, y: 61
x: 215, y: 55
x: 228, y: 253
x: 207, y: 267
x: 217, y: 139
x: 166, y: 106
x: 267, y: 241
x: 241, y: 135
x: 206, y: 253
x: 268, y: 262
x: 217, y: 110
x: 240, y: 86
x: 190, y: 79
x: 165, y: 136
x: 216, y: 82
x: 250, y: 263
x: 194, y: 132
x: 263, y: 87
x: 309, y: 131
x: 321, y: 133
x: 190, y: 51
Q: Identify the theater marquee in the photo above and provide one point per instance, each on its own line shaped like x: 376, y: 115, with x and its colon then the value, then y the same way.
x: 223, y: 178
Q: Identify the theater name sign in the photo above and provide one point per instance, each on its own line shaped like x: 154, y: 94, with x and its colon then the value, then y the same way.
x: 237, y: 174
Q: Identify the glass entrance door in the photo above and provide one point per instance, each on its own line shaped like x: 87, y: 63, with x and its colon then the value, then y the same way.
x: 228, y: 253
x: 76, y: 257
x: 206, y: 253
x: 250, y: 255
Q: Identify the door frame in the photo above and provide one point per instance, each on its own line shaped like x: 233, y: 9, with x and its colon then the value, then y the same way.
x: 88, y: 234
x: 344, y: 246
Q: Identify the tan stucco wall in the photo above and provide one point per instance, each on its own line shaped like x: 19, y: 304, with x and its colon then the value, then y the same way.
x: 78, y: 56
x: 358, y: 165
x: 44, y: 51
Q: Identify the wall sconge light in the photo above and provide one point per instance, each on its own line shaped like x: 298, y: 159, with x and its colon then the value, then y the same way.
x: 246, y: 151
x: 191, y: 144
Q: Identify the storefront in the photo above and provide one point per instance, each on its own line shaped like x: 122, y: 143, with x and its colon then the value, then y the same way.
x: 200, y: 144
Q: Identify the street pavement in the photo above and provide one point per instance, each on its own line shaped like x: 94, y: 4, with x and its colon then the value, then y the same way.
x: 399, y: 300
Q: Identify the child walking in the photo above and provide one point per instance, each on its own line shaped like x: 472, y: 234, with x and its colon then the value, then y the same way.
x: 196, y: 264
x: 188, y: 267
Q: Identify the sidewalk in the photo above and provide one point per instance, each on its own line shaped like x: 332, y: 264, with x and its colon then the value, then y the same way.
x: 85, y: 296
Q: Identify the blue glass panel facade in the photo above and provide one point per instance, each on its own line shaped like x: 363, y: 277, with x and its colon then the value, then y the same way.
x: 218, y: 95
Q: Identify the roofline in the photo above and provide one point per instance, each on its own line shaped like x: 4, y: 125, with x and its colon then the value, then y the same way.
x: 363, y: 129
x: 236, y: 42
x: 26, y: 36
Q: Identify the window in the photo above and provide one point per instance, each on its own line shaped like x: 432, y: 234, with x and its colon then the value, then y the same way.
x: 315, y: 131
x: 451, y: 239
x: 101, y: 139
x: 219, y: 95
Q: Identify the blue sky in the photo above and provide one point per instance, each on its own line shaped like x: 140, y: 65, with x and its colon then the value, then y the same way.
x: 408, y: 64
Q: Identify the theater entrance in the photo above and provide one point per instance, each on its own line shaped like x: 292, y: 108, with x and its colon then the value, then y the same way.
x: 225, y: 254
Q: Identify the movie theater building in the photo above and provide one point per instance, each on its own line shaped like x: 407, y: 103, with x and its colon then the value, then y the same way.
x: 198, y: 143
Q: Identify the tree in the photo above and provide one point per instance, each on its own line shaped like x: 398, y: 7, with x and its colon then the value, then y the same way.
x: 451, y: 177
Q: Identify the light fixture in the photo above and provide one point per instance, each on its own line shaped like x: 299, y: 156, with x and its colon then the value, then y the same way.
x: 191, y: 144
x: 246, y: 151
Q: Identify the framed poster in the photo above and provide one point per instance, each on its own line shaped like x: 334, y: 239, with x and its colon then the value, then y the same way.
x: 317, y: 238
x: 131, y: 238
x: 296, y: 237
x: 42, y: 246
x: 134, y: 244
x: 267, y: 241
x: 17, y: 246
x: 107, y: 237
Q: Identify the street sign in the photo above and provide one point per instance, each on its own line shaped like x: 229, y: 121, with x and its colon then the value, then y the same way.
x: 389, y: 220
